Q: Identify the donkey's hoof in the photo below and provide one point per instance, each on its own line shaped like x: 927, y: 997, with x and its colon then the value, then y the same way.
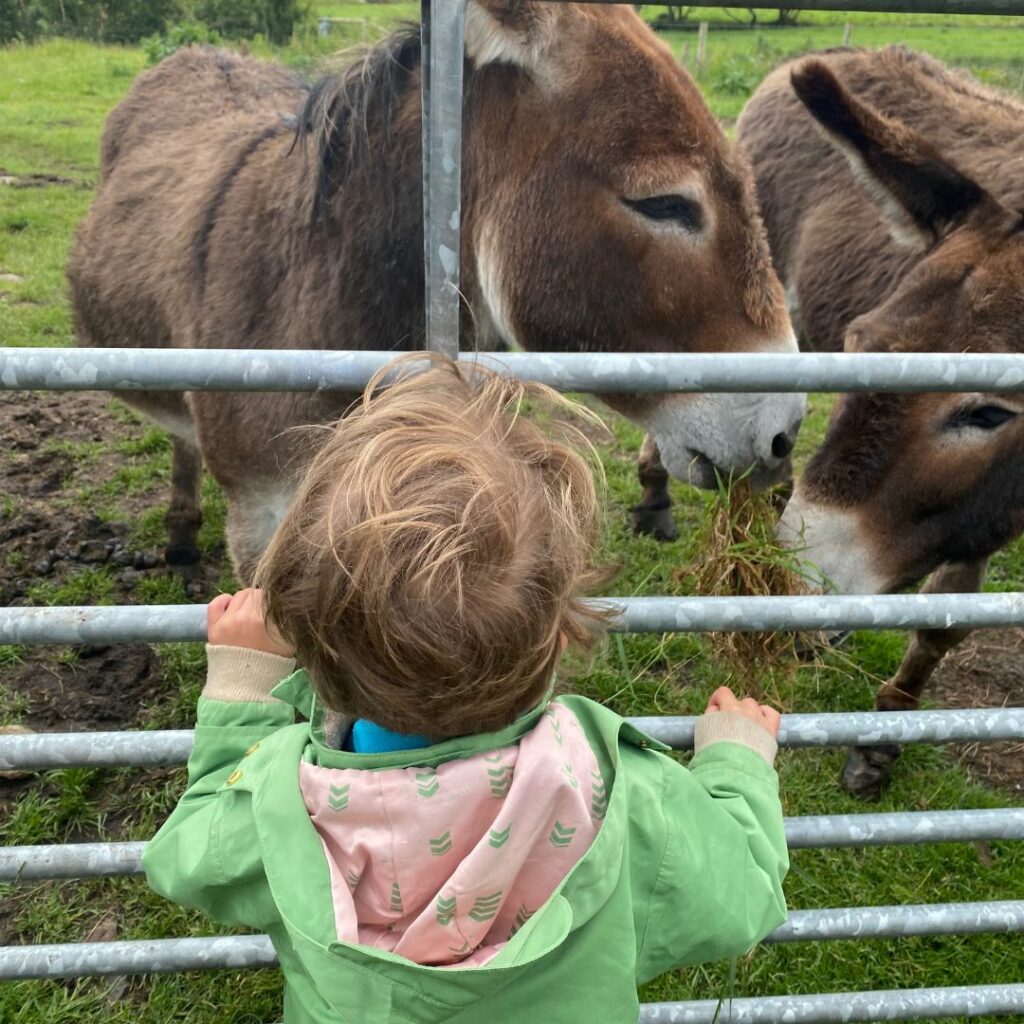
x: 182, y: 554
x: 654, y: 522
x: 867, y: 770
x: 184, y: 560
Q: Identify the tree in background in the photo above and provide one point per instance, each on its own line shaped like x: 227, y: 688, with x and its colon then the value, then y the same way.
x: 107, y: 21
x: 128, y: 21
x: 784, y: 16
x: 788, y: 16
x: 243, y: 19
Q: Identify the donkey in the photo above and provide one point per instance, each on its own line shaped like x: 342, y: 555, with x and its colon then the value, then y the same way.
x: 603, y: 210
x: 892, y: 191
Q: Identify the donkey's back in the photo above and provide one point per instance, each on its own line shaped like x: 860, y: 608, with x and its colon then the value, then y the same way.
x: 193, y: 87
x: 170, y: 150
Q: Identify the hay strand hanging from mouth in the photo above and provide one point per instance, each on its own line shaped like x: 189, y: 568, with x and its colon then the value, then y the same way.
x: 737, y: 554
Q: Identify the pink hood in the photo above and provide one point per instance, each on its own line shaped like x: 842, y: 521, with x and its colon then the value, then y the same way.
x: 443, y: 865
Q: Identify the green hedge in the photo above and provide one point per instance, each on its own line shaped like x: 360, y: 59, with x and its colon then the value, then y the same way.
x: 128, y: 21
x: 243, y: 19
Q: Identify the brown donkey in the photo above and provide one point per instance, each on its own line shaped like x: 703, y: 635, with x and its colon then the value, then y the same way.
x: 603, y: 210
x: 892, y: 190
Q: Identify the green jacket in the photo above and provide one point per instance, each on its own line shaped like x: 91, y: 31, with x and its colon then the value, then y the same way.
x: 686, y: 867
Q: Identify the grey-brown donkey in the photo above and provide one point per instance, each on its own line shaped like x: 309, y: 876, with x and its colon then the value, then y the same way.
x: 603, y: 210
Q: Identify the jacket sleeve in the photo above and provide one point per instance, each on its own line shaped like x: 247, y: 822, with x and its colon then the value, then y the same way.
x: 718, y: 889
x: 206, y: 854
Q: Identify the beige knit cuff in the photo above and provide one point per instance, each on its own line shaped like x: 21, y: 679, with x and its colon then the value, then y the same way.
x: 240, y: 673
x: 729, y: 727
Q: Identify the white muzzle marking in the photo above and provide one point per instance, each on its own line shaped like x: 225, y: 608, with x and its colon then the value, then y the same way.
x: 832, y: 546
x: 700, y: 433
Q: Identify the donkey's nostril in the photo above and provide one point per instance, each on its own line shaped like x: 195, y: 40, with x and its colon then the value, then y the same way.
x: 782, y: 445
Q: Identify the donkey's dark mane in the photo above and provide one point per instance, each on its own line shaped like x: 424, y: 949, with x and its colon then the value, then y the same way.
x: 342, y: 110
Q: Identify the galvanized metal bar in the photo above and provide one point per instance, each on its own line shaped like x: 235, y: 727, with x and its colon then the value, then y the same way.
x: 103, y: 625
x: 903, y: 828
x: 137, y: 956
x: 171, y: 623
x: 102, y: 860
x: 442, y: 38
x: 70, y: 860
x: 901, y: 921
x: 857, y: 728
x: 425, y: 100
x: 1005, y: 8
x: 74, y: 960
x: 141, y: 369
x: 42, y: 751
x: 818, y: 612
x: 844, y: 1007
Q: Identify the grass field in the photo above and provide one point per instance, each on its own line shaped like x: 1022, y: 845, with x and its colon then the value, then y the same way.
x: 53, y: 98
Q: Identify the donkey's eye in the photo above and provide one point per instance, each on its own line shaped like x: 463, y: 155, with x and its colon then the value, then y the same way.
x: 983, y: 417
x: 683, y: 211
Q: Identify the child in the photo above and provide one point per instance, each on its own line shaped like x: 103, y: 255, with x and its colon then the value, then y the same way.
x: 423, y: 831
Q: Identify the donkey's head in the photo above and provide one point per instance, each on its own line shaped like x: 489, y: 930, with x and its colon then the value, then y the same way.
x: 606, y: 211
x: 905, y: 483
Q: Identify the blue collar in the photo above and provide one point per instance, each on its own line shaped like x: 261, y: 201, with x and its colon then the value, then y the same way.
x: 366, y: 737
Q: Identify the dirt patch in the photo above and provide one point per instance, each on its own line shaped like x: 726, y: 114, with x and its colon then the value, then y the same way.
x: 50, y: 538
x: 38, y: 180
x: 46, y: 533
x: 105, y: 688
x: 986, y: 671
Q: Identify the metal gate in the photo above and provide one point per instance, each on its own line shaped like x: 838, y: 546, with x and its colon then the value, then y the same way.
x: 443, y: 24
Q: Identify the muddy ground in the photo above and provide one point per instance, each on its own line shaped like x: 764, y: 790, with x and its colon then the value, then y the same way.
x: 47, y: 536
x: 51, y: 536
x: 45, y: 541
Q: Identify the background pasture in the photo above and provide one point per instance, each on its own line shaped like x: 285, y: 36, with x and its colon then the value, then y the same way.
x: 82, y: 487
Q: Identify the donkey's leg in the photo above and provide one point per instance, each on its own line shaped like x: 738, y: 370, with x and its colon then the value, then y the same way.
x: 654, y: 513
x: 252, y: 452
x: 867, y: 769
x: 253, y: 515
x: 183, y: 518
x: 184, y: 513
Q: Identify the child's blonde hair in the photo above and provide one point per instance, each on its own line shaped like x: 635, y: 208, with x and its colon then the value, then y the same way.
x: 437, y: 551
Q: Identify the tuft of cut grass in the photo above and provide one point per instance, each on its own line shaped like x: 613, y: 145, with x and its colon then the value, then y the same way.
x: 739, y: 555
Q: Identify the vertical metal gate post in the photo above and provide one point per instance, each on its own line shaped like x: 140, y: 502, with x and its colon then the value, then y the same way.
x: 442, y: 37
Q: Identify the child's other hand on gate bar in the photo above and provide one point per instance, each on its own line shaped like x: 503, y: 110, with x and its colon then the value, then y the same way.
x: 723, y: 699
x: 236, y: 620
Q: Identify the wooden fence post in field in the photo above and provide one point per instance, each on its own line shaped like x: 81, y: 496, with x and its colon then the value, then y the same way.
x: 847, y: 33
x: 702, y: 47
x: 684, y: 55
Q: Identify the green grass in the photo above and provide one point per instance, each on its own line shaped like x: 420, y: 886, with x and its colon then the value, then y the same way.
x: 738, y: 61
x: 53, y: 99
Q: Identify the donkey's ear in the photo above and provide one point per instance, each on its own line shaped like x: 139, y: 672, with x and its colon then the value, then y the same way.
x: 513, y: 32
x: 920, y: 193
